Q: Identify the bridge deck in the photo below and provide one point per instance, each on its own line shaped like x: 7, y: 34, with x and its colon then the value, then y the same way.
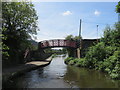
x: 57, y: 43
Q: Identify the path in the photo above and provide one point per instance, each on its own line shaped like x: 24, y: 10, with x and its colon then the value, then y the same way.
x: 8, y: 73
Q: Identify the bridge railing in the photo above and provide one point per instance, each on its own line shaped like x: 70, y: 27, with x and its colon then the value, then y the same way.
x: 58, y: 43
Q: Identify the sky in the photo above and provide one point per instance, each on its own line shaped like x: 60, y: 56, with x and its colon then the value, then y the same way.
x: 56, y: 20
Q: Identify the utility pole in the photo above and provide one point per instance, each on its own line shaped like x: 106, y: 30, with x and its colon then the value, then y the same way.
x: 97, y: 33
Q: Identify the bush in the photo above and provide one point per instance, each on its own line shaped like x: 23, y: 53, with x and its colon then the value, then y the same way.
x: 68, y: 59
x: 95, y: 54
x: 80, y: 62
x: 71, y: 62
x: 112, y: 65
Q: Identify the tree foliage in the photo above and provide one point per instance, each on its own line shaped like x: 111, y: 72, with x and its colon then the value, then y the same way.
x: 19, y: 23
x: 112, y: 36
x: 118, y: 7
x: 4, y: 48
x: 71, y: 37
x: 106, y: 56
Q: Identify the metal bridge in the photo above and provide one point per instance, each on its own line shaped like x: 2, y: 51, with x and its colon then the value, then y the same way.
x: 73, y: 45
x: 57, y: 43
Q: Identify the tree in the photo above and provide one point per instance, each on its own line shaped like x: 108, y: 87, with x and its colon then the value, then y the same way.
x: 19, y: 23
x: 118, y: 7
x: 118, y: 10
x: 4, y: 48
x: 69, y: 37
x: 77, y: 38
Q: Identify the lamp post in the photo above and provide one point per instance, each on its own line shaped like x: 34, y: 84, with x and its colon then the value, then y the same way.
x: 97, y: 33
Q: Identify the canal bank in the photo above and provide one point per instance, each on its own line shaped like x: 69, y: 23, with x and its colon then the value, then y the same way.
x: 9, y: 73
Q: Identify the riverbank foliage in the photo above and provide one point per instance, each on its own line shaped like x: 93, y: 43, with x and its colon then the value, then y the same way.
x: 19, y: 23
x: 104, y: 56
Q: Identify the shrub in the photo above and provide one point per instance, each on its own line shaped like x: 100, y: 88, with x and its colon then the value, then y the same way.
x: 95, y: 54
x: 115, y: 73
x: 113, y: 65
x: 80, y: 62
x: 71, y: 62
x: 68, y: 59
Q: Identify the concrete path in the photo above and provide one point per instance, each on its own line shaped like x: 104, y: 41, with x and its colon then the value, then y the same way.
x: 8, y: 73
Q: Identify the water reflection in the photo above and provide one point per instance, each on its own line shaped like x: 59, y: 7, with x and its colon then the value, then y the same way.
x: 86, y: 78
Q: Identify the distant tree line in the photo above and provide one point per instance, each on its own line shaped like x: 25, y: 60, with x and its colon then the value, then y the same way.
x: 56, y: 51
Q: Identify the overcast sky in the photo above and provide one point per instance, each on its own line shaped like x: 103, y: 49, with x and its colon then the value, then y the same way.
x: 59, y: 19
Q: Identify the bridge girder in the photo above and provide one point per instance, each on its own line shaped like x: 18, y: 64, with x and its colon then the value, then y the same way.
x: 57, y: 43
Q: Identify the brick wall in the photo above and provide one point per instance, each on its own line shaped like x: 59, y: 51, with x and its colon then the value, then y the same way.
x: 85, y: 44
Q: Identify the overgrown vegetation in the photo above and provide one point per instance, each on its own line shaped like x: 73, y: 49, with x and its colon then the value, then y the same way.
x: 19, y: 23
x: 104, y: 56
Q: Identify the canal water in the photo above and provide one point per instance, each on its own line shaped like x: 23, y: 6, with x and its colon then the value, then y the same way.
x: 59, y: 75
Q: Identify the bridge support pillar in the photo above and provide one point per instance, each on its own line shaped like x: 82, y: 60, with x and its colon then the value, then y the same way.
x: 78, y: 52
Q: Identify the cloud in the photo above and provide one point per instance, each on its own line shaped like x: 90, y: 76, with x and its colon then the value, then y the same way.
x: 67, y: 13
x: 97, y: 13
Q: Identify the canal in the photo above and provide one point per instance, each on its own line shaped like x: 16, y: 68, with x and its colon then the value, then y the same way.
x: 59, y: 75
